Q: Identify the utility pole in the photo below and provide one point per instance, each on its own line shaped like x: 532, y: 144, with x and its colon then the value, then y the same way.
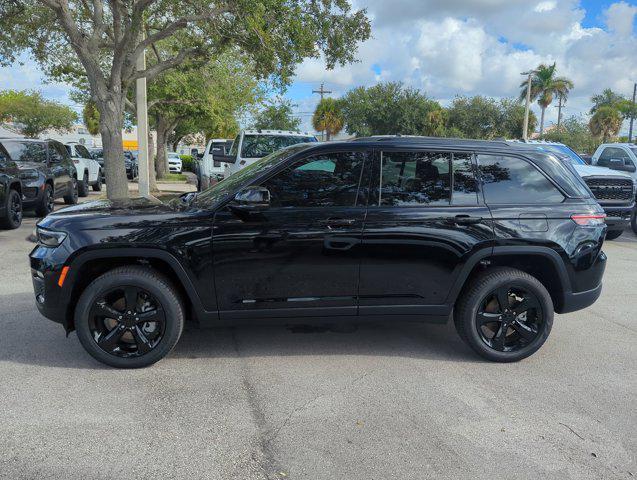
x: 560, y: 105
x: 321, y: 91
x: 525, y: 131
x: 142, y: 129
x: 632, y: 117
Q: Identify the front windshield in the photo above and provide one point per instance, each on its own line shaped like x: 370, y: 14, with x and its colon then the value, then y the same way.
x: 634, y: 150
x: 227, y: 186
x: 258, y: 146
x: 574, y: 158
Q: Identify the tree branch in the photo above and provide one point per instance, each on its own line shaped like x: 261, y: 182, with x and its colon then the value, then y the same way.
x: 153, y: 71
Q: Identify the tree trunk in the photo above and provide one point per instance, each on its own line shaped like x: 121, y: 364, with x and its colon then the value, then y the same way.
x: 111, y: 125
x: 163, y: 128
x: 152, y: 176
x: 542, y: 123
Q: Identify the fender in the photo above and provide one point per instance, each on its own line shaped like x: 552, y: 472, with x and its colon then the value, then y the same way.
x: 76, y: 263
x: 486, y: 253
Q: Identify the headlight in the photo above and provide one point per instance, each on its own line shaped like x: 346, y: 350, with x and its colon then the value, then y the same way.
x: 50, y: 238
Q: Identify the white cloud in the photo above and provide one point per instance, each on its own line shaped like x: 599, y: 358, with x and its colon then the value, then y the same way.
x: 450, y: 47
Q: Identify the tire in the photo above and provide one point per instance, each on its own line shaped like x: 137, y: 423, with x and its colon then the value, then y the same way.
x: 142, y: 278
x: 46, y: 204
x: 633, y: 221
x: 71, y: 198
x: 13, y: 209
x: 476, y: 295
x: 614, y: 234
x: 97, y: 186
x: 82, y: 187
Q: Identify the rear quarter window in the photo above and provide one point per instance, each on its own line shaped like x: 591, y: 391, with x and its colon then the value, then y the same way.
x: 511, y: 180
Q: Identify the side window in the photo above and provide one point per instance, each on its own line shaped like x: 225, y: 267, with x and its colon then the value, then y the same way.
x: 415, y: 178
x: 613, y: 153
x: 465, y: 185
x: 26, y: 151
x: 326, y: 180
x: 82, y: 151
x: 508, y: 180
x: 54, y: 153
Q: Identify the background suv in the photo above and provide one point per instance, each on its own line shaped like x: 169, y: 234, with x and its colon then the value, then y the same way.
x: 10, y: 192
x: 495, y: 238
x: 46, y: 170
x: 89, y: 171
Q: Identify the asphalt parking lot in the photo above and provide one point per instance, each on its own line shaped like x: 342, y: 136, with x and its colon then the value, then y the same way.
x: 383, y: 402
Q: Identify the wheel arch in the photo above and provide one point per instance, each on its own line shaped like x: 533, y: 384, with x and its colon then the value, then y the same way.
x: 543, y: 263
x: 16, y: 185
x: 89, y: 265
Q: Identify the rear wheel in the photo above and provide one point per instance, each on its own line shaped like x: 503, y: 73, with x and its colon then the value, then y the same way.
x: 614, y: 234
x: 82, y: 187
x: 13, y: 209
x: 46, y: 202
x: 97, y: 186
x: 130, y: 317
x: 505, y: 315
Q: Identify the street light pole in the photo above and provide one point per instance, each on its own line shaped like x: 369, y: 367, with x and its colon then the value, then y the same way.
x: 525, y: 131
x: 632, y: 117
x: 142, y: 129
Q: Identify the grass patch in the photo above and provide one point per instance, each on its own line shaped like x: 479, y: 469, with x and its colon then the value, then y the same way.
x: 173, y: 178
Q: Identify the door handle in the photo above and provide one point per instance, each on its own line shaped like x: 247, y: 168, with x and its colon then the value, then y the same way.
x: 466, y: 220
x: 337, y: 222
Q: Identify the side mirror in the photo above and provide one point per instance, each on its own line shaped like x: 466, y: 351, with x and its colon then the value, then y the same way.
x: 251, y: 199
x: 194, y: 152
x: 219, y: 157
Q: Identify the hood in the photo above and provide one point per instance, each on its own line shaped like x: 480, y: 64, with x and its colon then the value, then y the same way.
x: 593, y: 171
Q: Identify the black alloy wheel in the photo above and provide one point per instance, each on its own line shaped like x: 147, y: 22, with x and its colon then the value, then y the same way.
x: 83, y: 186
x: 509, y: 319
x: 71, y: 198
x: 47, y: 202
x: 504, y: 314
x: 127, y: 322
x: 13, y: 218
x: 129, y: 317
x: 633, y: 221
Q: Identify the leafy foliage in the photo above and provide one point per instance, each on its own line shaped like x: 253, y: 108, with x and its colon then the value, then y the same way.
x: 607, y: 98
x: 328, y: 117
x: 33, y: 114
x: 91, y: 117
x: 277, y: 116
x: 575, y: 133
x: 606, y: 122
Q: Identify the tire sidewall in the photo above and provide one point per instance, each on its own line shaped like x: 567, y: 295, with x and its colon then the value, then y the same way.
x: 162, y: 293
x: 8, y: 220
x: 470, y: 324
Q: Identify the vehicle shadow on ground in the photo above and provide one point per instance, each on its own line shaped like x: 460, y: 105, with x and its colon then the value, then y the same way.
x: 29, y: 338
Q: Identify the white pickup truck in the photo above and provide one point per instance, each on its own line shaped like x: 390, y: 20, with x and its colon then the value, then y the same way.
x: 89, y: 172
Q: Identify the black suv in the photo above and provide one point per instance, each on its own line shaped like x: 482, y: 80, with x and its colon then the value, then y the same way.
x: 46, y: 170
x: 10, y: 192
x: 376, y: 229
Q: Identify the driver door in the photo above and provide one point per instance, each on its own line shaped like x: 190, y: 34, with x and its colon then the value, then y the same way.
x: 299, y: 255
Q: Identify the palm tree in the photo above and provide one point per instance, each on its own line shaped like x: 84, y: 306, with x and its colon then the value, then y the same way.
x: 607, y: 98
x: 605, y: 123
x: 328, y: 117
x: 545, y: 84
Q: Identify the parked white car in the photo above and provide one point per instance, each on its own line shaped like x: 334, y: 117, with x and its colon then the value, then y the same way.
x: 212, y: 169
x: 617, y: 156
x: 174, y: 163
x: 89, y: 172
x: 252, y: 145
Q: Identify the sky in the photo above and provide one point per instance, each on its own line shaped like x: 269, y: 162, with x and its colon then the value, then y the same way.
x: 459, y: 47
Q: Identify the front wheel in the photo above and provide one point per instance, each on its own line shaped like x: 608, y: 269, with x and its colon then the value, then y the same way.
x: 13, y: 209
x: 71, y: 197
x: 46, y: 204
x: 633, y: 221
x: 97, y: 186
x: 82, y: 187
x: 504, y: 315
x: 130, y: 317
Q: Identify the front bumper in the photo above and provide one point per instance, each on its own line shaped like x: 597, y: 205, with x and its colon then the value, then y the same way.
x: 617, y: 216
x: 32, y: 194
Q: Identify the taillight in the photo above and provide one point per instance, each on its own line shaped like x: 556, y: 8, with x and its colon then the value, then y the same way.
x: 589, y: 219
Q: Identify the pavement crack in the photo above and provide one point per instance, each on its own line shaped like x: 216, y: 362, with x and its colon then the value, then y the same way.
x: 267, y: 460
x: 572, y: 431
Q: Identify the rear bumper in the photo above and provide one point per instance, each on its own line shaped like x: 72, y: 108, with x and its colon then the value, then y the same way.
x: 574, y: 301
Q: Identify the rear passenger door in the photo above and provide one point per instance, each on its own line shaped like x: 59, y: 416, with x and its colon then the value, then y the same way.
x: 425, y: 218
x: 59, y: 160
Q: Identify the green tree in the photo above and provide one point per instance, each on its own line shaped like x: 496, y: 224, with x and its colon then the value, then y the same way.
x: 476, y: 117
x: 575, y: 133
x: 436, y: 123
x: 328, y: 117
x: 33, y: 114
x: 607, y: 98
x: 98, y: 44
x: 511, y: 124
x: 277, y: 116
x: 605, y: 123
x: 386, y: 109
x: 91, y: 117
x: 545, y: 84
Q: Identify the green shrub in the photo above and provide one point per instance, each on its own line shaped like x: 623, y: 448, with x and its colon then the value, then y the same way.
x: 186, y: 162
